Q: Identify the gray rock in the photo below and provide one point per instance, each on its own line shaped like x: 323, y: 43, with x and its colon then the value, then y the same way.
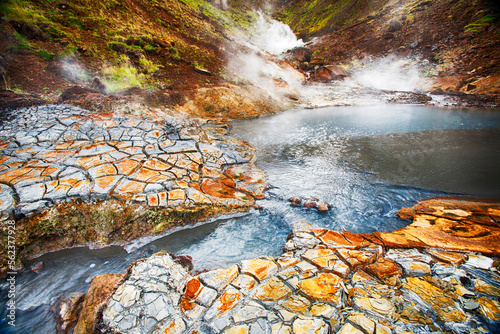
x: 395, y: 25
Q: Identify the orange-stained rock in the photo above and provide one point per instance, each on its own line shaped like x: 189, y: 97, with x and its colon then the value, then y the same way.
x: 218, y: 188
x: 356, y: 258
x: 153, y: 200
x: 490, y: 308
x: 156, y: 164
x: 384, y: 268
x: 450, y: 224
x: 55, y: 156
x: 272, y: 290
x: 361, y: 276
x: 219, y: 279
x: 323, y: 287
x: 447, y: 256
x: 297, y: 304
x: 227, y: 301
x: 176, y: 195
x: 103, y: 170
x: 326, y: 259
x: 193, y: 288
x: 443, y: 302
x: 242, y: 329
x: 249, y: 179
x: 336, y: 240
x: 9, y: 175
x: 127, y: 167
x: 99, y: 291
x: 144, y: 174
x: 259, y: 268
x: 127, y: 189
x: 483, y: 287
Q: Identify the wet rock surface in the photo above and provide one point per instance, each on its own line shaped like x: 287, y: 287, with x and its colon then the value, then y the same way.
x: 324, y: 282
x: 58, y: 155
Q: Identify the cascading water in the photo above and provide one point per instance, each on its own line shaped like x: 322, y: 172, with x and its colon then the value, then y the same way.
x: 273, y: 36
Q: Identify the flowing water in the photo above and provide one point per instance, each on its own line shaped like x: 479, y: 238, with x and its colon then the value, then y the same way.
x: 366, y: 162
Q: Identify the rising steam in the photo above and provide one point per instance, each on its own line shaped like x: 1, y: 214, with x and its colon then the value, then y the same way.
x: 273, y: 36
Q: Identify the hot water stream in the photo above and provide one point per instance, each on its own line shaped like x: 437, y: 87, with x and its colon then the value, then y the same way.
x: 366, y: 162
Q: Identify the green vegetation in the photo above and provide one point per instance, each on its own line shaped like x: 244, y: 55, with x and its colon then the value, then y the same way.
x: 148, y: 66
x: 45, y: 55
x: 122, y: 75
x: 480, y: 24
x: 22, y: 42
x: 319, y: 16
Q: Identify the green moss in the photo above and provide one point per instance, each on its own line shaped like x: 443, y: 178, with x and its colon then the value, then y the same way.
x: 122, y: 76
x: 45, y: 55
x: 480, y: 24
x: 22, y: 42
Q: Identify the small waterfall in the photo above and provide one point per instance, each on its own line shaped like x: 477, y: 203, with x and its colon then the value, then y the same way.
x: 273, y: 36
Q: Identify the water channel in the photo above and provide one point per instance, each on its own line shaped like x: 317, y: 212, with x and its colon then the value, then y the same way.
x: 365, y: 162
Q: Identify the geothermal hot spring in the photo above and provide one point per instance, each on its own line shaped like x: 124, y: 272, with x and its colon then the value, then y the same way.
x: 366, y: 161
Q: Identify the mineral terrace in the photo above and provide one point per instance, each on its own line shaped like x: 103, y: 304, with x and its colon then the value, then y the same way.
x: 55, y: 154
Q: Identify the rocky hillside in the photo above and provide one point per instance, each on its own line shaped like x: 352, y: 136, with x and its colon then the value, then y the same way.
x: 164, y: 50
x: 459, y: 37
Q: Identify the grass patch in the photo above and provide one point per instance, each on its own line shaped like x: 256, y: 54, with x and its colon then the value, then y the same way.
x: 479, y: 25
x: 45, y: 55
x: 122, y: 76
x: 148, y: 66
x: 22, y: 42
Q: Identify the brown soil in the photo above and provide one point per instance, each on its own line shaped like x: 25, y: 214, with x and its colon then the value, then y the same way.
x: 468, y: 60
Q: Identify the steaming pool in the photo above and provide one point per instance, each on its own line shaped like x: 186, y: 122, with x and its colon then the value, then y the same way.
x: 366, y: 162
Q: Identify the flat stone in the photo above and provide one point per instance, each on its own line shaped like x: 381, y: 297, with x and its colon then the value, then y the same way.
x: 381, y: 306
x: 280, y: 328
x: 297, y: 304
x: 384, y: 268
x: 244, y: 283
x: 102, y: 170
x: 104, y: 185
x: 95, y: 149
x: 483, y: 287
x: 175, y: 326
x: 336, y: 240
x: 323, y: 287
x: 309, y: 326
x: 272, y: 291
x: 446, y: 256
x: 415, y: 268
x: 400, y: 255
x: 322, y: 310
x: 490, y: 308
x: 248, y: 179
x: 127, y: 295
x: 7, y: 201
x: 226, y: 302
x: 31, y: 193
x: 191, y: 310
x: 480, y: 261
x: 206, y: 296
x: 156, y: 164
x: 126, y: 189
x: 363, y: 322
x: 259, y: 268
x: 219, y: 279
x: 347, y: 328
x: 357, y: 258
x: 250, y: 311
x: 242, y: 329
